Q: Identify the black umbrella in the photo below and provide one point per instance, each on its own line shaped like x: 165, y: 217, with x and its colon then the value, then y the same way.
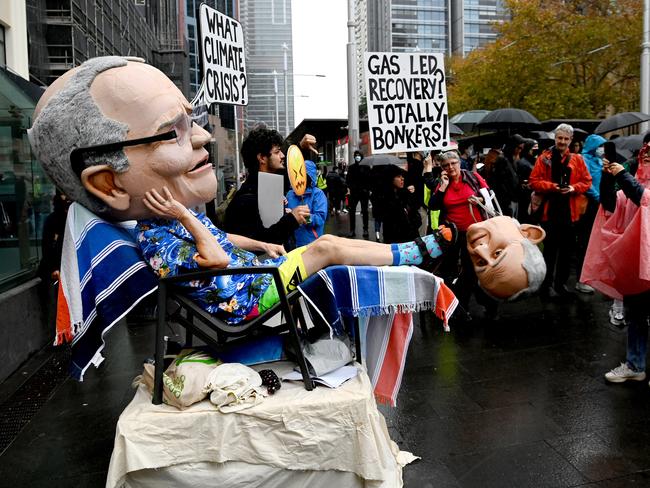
x: 510, y: 119
x: 467, y: 121
x: 454, y: 130
x: 620, y: 121
x: 381, y: 159
x: 632, y: 143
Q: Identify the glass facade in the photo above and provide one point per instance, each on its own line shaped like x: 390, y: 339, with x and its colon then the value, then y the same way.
x: 25, y: 192
x: 267, y: 28
x: 419, y: 25
x: 447, y: 26
x: 479, y: 17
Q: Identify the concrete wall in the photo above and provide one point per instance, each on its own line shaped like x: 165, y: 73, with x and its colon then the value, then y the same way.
x: 13, y: 16
x: 23, y: 328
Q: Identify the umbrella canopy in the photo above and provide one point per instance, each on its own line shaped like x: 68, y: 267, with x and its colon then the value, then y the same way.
x: 626, y: 146
x: 620, y: 121
x: 509, y: 119
x: 454, y: 130
x: 467, y: 121
x: 381, y: 159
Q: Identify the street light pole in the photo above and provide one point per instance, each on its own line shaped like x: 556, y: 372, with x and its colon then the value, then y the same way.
x: 353, y: 103
x: 275, y: 91
x: 645, y: 61
x: 285, y: 48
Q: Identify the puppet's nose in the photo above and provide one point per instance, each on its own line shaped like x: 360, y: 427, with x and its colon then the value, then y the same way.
x: 484, y: 252
x: 200, y: 137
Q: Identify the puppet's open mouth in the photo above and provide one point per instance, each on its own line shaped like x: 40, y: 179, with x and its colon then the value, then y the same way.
x: 200, y: 164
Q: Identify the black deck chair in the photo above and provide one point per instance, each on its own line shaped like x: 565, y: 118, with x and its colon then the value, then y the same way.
x: 215, y: 332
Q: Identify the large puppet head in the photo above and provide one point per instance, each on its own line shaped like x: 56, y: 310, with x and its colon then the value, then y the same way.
x: 506, y: 258
x: 113, y: 128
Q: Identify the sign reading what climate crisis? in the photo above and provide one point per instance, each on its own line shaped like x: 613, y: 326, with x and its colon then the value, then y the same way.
x: 407, y: 102
x: 224, y: 66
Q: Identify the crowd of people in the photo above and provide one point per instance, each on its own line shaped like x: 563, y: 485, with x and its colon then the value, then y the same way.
x: 558, y: 187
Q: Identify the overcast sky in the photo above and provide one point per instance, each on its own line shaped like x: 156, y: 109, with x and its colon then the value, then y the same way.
x: 319, y: 47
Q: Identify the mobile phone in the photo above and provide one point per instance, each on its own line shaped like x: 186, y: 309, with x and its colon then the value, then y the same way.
x: 610, y: 151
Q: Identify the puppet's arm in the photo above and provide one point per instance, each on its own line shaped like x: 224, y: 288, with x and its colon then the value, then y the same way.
x: 210, y: 253
x: 248, y: 244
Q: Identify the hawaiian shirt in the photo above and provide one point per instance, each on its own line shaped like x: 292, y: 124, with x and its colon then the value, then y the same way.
x: 169, y: 249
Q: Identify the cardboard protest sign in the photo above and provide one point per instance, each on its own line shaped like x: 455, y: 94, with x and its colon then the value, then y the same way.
x: 407, y: 101
x: 222, y: 54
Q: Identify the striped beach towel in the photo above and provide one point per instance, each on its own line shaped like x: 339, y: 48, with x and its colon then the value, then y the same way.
x: 103, y: 276
x: 384, y: 298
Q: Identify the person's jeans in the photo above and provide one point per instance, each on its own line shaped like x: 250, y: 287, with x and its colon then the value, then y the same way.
x: 637, y: 313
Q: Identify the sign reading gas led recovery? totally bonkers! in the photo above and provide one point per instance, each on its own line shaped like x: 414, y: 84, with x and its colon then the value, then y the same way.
x: 407, y: 102
x: 222, y: 50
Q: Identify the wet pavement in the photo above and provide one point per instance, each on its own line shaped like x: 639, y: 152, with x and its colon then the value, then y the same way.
x: 517, y: 402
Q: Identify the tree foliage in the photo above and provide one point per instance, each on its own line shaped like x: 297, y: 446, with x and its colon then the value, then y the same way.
x: 556, y: 59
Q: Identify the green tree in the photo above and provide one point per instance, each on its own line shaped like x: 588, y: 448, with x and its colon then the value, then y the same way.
x: 556, y: 59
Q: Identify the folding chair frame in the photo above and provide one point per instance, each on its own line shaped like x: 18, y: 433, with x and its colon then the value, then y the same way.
x: 214, y: 331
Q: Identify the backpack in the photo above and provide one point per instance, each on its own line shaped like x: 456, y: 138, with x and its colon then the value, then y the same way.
x: 220, y: 212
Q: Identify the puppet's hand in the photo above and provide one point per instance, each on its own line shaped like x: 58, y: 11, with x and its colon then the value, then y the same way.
x: 273, y: 250
x: 165, y: 207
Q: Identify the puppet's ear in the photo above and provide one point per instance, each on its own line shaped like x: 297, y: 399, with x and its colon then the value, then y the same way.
x: 534, y: 233
x: 100, y: 181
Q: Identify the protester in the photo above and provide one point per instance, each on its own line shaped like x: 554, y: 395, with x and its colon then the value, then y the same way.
x: 465, y: 152
x: 336, y: 190
x: 524, y: 167
x: 617, y: 261
x: 400, y: 215
x: 562, y: 178
x: 52, y: 239
x: 592, y: 154
x: 501, y: 176
x: 377, y: 191
x: 413, y: 178
x: 262, y: 153
x: 316, y: 201
x: 452, y: 195
x: 358, y: 181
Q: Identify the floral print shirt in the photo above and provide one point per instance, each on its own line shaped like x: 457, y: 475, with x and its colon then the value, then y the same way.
x: 169, y: 249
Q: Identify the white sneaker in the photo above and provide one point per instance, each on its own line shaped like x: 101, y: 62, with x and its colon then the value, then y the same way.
x: 623, y: 373
x: 616, y: 318
x: 584, y: 288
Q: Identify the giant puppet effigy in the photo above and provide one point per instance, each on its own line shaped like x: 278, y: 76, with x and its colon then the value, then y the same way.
x: 116, y: 136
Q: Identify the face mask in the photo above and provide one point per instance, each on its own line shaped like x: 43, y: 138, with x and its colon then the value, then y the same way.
x: 357, y: 158
x: 600, y: 152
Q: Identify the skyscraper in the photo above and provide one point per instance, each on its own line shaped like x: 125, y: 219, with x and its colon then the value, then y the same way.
x: 443, y: 26
x: 269, y: 63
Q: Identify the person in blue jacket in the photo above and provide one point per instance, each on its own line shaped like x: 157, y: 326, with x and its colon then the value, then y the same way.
x: 316, y: 200
x: 592, y: 153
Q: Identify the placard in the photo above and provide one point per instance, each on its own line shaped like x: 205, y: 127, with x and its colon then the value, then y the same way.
x: 407, y: 101
x: 270, y: 197
x: 223, y: 57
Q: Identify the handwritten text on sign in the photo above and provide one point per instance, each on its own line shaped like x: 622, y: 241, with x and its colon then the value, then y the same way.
x: 407, y: 101
x: 224, y: 67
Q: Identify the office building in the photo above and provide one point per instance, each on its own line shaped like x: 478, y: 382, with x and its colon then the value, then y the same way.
x: 269, y: 63
x: 451, y: 27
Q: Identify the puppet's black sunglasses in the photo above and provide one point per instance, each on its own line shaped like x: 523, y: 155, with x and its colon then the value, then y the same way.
x: 77, y: 155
